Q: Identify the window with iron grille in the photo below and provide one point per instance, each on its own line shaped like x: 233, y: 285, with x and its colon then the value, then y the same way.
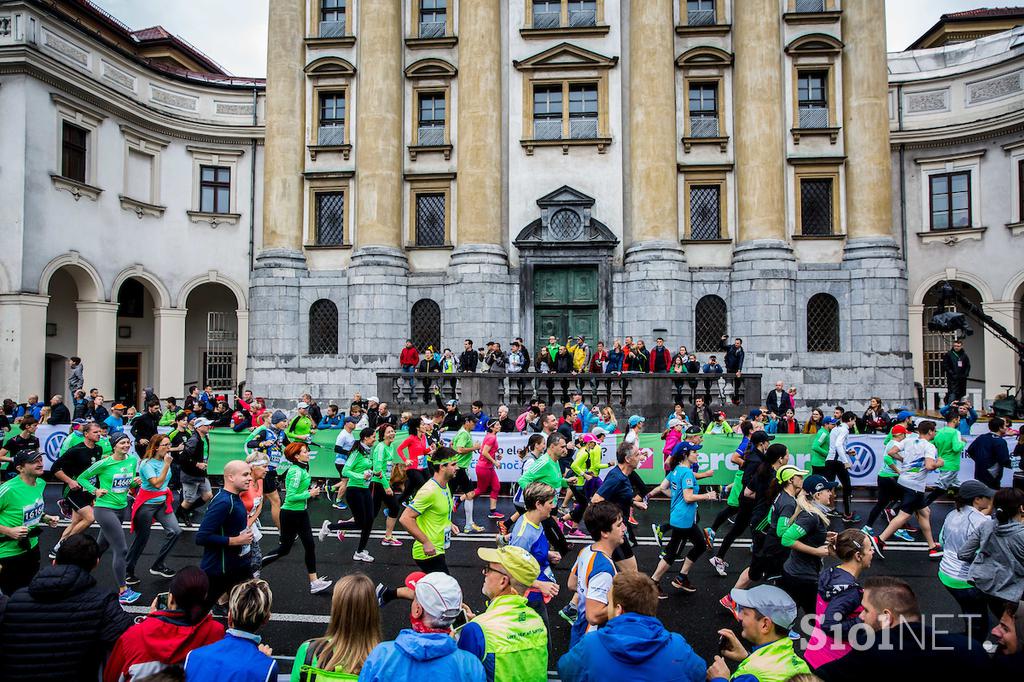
x: 816, y: 206
x: 433, y: 15
x: 822, y: 324
x: 810, y: 5
x: 332, y: 119
x: 430, y: 219
x: 425, y: 324
x: 431, y: 118
x: 812, y: 99
x: 710, y: 323
x: 703, y: 103
x: 700, y: 12
x: 583, y: 110
x: 214, y: 189
x: 547, y: 13
x: 950, y: 200
x: 74, y: 147
x: 330, y: 218
x: 582, y: 13
x: 705, y: 212
x: 323, y: 328
x: 547, y: 112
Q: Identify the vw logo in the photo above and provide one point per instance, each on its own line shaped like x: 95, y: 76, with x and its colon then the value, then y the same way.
x: 863, y: 460
x: 52, y: 445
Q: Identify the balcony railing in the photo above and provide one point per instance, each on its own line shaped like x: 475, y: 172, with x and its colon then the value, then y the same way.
x: 431, y: 135
x: 330, y: 135
x: 813, y: 117
x: 700, y: 17
x: 547, y: 19
x: 703, y: 126
x: 432, y: 29
x: 582, y: 17
x: 332, y: 29
x: 810, y: 5
x: 582, y: 128
x: 652, y: 395
x: 547, y: 129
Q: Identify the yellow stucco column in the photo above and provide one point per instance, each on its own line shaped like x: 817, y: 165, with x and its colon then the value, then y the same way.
x: 285, y: 128
x: 866, y: 120
x: 758, y: 121
x: 653, y: 177
x: 479, y: 123
x: 379, y: 125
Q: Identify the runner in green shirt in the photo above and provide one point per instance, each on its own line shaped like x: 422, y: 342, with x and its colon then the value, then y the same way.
x: 819, y: 448
x: 428, y: 517
x: 950, y: 445
x: 21, y: 510
x: 384, y: 458
x: 114, y: 476
x: 464, y: 448
x: 301, y: 426
x: 76, y: 437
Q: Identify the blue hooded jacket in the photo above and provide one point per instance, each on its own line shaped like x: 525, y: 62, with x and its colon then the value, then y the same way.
x: 632, y: 647
x: 421, y: 656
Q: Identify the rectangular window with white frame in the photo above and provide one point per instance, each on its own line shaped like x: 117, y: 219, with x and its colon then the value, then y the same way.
x: 74, y: 152
x: 583, y: 111
x: 431, y: 119
x: 547, y: 112
x: 703, y: 109
x: 215, y: 189
x: 949, y: 200
x: 331, y: 122
x: 812, y: 99
x: 700, y: 12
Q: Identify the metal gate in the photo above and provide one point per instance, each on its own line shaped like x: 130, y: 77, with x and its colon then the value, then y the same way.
x: 935, y: 346
x: 219, y: 358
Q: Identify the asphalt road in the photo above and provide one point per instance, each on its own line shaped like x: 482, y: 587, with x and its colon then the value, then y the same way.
x: 299, y: 615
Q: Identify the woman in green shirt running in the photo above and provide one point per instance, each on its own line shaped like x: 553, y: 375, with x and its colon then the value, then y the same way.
x: 384, y: 495
x: 359, y: 471
x: 352, y: 633
x: 299, y: 489
x: 114, y: 476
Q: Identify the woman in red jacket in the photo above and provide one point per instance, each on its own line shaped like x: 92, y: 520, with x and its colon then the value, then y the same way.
x: 168, y: 633
x: 413, y: 451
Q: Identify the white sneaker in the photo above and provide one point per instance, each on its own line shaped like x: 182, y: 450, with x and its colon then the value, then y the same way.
x: 319, y: 585
x: 324, y: 531
x: 363, y: 556
x: 719, y: 565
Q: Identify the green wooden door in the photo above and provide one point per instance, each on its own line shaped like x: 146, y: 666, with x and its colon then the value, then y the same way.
x: 564, y: 304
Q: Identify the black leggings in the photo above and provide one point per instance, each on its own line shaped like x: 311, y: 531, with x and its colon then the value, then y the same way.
x: 680, y: 536
x: 723, y: 516
x: 835, y: 469
x: 360, y: 501
x: 294, y: 523
x: 888, y: 491
x: 803, y: 592
x: 380, y: 499
x: 417, y: 477
x: 743, y: 514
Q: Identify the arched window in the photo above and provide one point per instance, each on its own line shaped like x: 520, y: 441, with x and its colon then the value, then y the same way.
x: 822, y: 324
x: 426, y: 324
x: 323, y: 328
x: 710, y: 324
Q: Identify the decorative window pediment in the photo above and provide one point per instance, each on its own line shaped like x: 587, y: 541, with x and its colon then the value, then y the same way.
x: 566, y: 57
x: 430, y: 68
x: 815, y: 43
x: 703, y: 56
x: 330, y: 66
x: 566, y: 218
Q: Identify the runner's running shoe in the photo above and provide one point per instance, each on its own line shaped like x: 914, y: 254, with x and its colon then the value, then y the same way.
x: 319, y: 585
x: 502, y: 529
x: 662, y: 594
x: 903, y: 535
x: 495, y: 514
x: 325, y: 529
x: 709, y: 538
x: 131, y: 580
x: 852, y: 517
x: 935, y: 552
x: 340, y: 506
x: 720, y: 566
x: 391, y: 542
x: 682, y: 582
x: 162, y: 571
x: 890, y: 513
x: 879, y: 546
x: 64, y: 508
x: 473, y: 528
x: 362, y: 556
x: 867, y: 530
x: 658, y: 535
x: 632, y: 519
x: 730, y: 605
x: 128, y: 596
x: 569, y: 613
x: 380, y: 590
x: 575, y: 533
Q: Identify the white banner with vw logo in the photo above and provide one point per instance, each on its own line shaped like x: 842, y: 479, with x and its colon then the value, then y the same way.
x: 869, y: 457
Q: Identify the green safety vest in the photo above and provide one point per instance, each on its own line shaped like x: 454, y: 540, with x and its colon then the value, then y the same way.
x: 775, y: 662
x: 515, y: 634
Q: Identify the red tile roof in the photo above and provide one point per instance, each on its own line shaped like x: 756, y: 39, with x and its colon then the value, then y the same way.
x: 986, y: 13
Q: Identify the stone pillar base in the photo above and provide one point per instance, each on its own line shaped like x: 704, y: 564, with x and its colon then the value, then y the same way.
x: 480, y: 299
x: 654, y: 294
x: 763, y: 297
x: 376, y: 310
x: 274, y: 314
x: 288, y: 259
x: 23, y: 361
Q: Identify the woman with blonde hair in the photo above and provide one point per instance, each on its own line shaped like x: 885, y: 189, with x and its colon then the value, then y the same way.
x: 808, y: 536
x: 352, y: 633
x: 252, y: 498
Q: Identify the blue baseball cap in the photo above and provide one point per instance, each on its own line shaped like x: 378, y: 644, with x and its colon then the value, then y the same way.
x: 686, y: 446
x: 902, y: 415
x: 754, y: 413
x: 815, y: 483
x: 636, y: 419
x: 828, y: 420
x: 352, y: 420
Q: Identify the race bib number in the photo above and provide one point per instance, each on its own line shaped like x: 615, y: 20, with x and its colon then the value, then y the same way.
x: 121, y: 483
x: 32, y: 514
x: 447, y: 537
x: 275, y: 455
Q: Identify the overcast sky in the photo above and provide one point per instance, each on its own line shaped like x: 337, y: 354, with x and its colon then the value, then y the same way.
x: 234, y: 32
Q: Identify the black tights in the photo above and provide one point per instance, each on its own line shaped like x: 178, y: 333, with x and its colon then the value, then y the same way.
x: 888, y: 491
x: 294, y: 523
x: 743, y: 514
x: 680, y: 536
x: 360, y: 501
x: 835, y: 469
x: 722, y: 517
x: 417, y: 477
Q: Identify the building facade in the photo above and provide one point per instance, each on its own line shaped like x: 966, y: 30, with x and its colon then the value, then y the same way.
x: 132, y: 165
x: 488, y: 169
x: 957, y: 133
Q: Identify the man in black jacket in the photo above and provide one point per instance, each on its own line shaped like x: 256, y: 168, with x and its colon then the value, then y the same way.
x: 195, y: 485
x: 957, y: 367
x: 699, y: 415
x: 779, y: 400
x: 63, y: 625
x: 990, y: 454
x: 468, y: 358
x: 59, y: 412
x: 145, y: 425
x: 734, y: 355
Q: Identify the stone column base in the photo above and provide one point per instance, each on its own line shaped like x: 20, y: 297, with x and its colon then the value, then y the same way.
x: 654, y: 297
x: 762, y: 302
x: 376, y: 311
x: 480, y: 298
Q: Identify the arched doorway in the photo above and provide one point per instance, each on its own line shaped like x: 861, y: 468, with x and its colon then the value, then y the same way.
x: 936, y: 344
x: 211, y: 338
x: 74, y: 296
x: 134, y: 361
x: 61, y: 332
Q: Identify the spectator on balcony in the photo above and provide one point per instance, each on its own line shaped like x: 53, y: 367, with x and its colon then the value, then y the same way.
x: 778, y: 400
x: 734, y: 355
x: 429, y: 363
x: 967, y: 415
x: 633, y: 361
x: 660, y: 359
x: 678, y: 367
x: 712, y: 366
x: 331, y: 420
x: 599, y: 362
x: 580, y: 353
x: 682, y: 355
x: 546, y: 355
x: 516, y: 359
x: 408, y: 359
x: 495, y: 358
x: 449, y: 365
x: 615, y: 358
x: 468, y: 358
x: 693, y: 365
x: 643, y: 354
x: 563, y: 361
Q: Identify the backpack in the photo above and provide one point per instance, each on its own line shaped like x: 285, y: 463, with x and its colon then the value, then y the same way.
x: 308, y: 672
